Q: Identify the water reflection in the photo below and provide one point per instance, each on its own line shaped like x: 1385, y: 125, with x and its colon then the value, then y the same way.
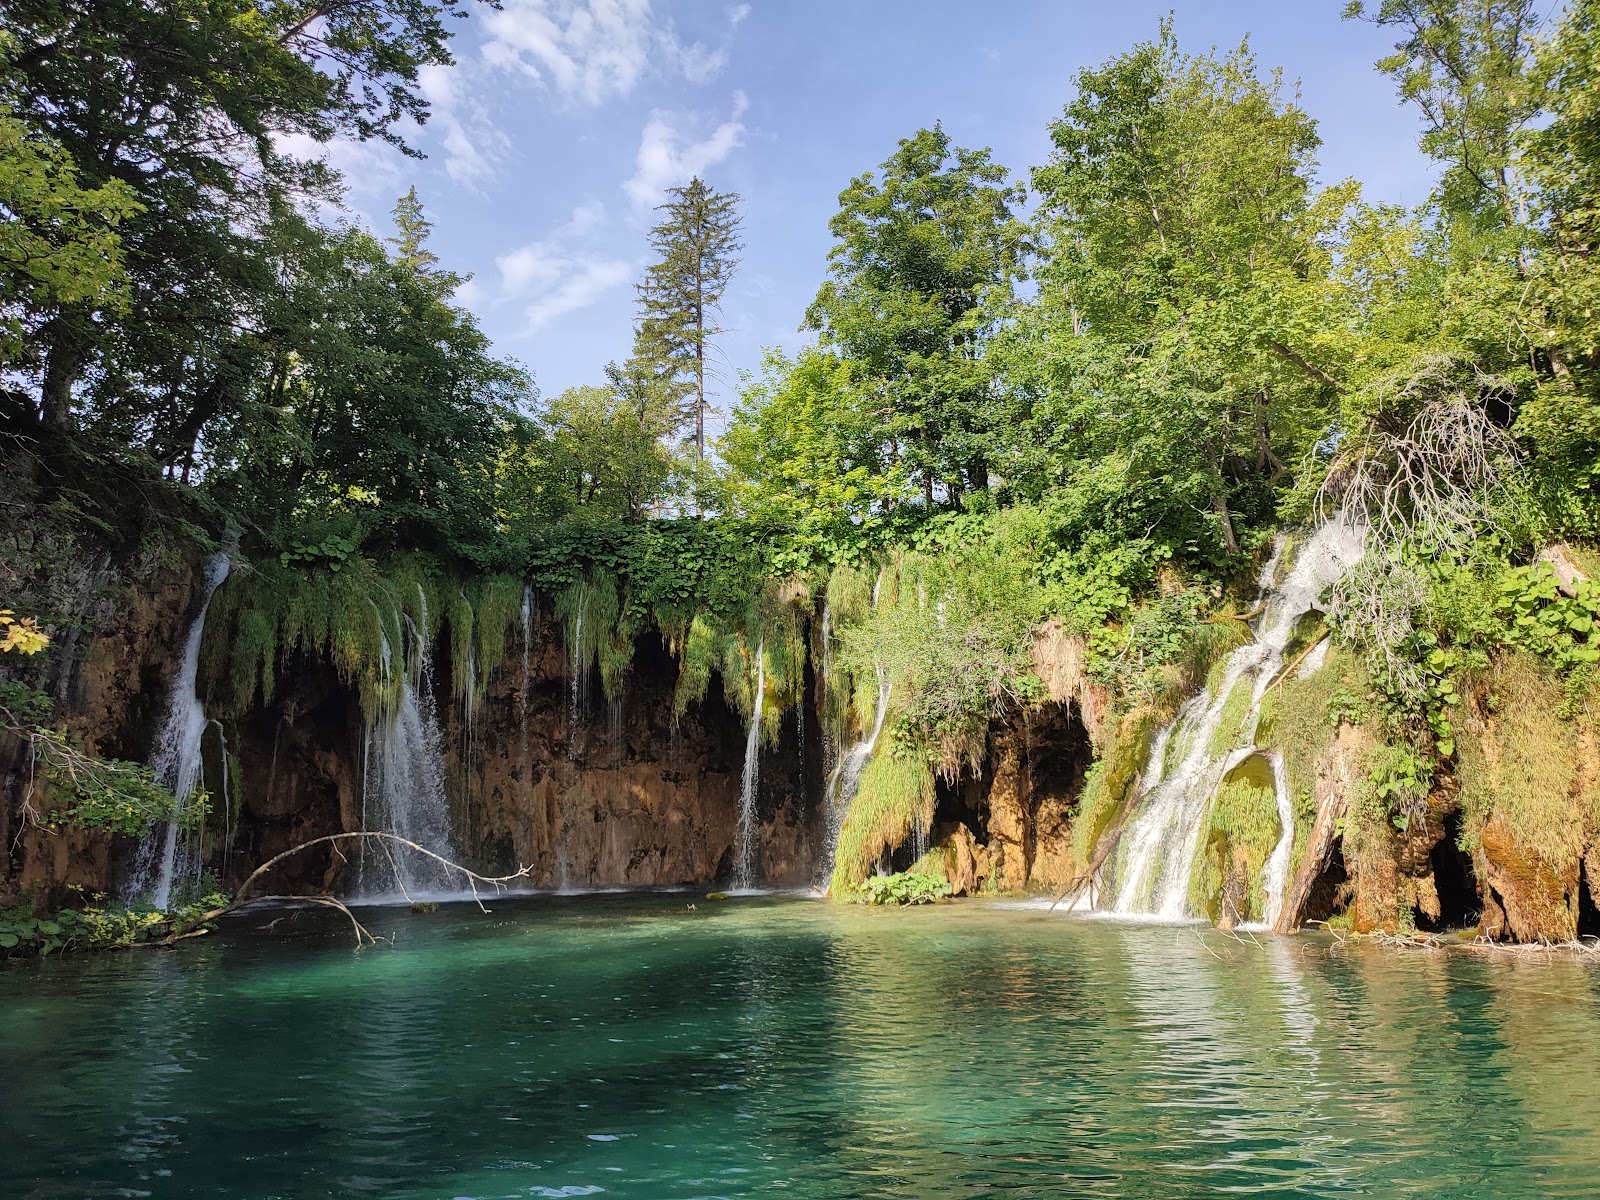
x: 626, y: 1046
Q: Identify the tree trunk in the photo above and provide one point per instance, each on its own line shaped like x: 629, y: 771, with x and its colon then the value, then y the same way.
x: 1219, y: 506
x: 66, y: 354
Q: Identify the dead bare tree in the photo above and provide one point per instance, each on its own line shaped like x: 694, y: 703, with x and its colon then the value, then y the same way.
x: 1430, y: 468
x: 1428, y: 472
x: 244, y: 897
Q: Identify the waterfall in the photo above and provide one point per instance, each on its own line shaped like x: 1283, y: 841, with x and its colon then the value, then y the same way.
x: 522, y: 696
x: 1187, y: 765
x: 176, y: 761
x: 577, y: 667
x: 846, y: 775
x: 1275, y: 872
x: 745, y: 870
x: 403, y: 784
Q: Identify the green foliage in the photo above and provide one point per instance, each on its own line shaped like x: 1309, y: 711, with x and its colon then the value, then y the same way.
x: 1240, y: 831
x: 100, y: 927
x: 951, y: 634
x: 1165, y: 295
x: 1539, y: 618
x: 895, y: 796
x: 904, y: 888
x: 58, y: 240
x: 1401, y: 780
x: 604, y: 456
x: 924, y: 263
x: 85, y: 790
x: 333, y: 552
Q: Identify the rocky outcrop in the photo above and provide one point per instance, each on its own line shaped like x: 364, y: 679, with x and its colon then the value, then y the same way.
x: 113, y: 665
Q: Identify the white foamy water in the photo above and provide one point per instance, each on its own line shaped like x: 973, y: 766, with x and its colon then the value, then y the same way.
x: 745, y: 869
x: 162, y: 858
x: 1184, y: 772
x: 403, y: 789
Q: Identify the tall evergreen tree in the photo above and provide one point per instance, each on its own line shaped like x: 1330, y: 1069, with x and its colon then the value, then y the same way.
x: 696, y: 242
x: 412, y: 231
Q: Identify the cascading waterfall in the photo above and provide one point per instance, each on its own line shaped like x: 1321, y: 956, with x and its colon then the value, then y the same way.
x: 403, y: 784
x: 177, y: 760
x: 1185, y: 770
x: 845, y: 778
x: 745, y: 869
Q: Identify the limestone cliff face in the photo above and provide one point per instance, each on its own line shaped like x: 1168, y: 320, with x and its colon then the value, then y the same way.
x: 110, y: 687
x: 590, y: 793
x: 621, y: 796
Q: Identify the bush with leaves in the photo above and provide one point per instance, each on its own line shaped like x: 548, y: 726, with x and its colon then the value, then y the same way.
x: 903, y: 888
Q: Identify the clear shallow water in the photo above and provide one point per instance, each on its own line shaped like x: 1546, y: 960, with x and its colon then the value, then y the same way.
x: 621, y: 1046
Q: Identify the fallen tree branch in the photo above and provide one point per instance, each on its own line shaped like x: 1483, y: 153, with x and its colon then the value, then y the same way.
x: 1299, y: 658
x: 498, y: 882
x: 1108, y: 842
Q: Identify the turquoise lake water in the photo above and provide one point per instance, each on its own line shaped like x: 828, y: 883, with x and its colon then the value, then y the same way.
x: 624, y: 1046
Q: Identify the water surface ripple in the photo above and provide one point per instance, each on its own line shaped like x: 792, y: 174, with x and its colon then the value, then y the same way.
x: 624, y: 1046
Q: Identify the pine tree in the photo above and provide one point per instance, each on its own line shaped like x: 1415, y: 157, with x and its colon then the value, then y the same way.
x: 696, y: 241
x: 412, y: 231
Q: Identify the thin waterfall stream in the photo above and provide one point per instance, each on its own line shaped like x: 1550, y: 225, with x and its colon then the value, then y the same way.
x: 177, y: 760
x: 744, y: 876
x: 1188, y: 762
x: 845, y: 778
x: 403, y: 784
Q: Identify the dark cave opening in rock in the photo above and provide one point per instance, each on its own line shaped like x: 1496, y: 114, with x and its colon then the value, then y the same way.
x: 1330, y: 892
x: 1588, y: 911
x: 960, y: 802
x: 1455, y: 882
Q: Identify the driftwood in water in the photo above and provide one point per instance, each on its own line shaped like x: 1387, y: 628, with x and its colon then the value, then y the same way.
x: 198, y: 925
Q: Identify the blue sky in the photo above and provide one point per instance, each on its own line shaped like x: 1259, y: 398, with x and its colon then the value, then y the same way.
x: 563, y: 121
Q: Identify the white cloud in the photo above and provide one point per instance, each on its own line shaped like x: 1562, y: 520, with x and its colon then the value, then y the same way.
x: 579, y: 288
x: 738, y: 13
x: 666, y: 159
x: 592, y: 49
x: 554, y: 276
x: 473, y: 146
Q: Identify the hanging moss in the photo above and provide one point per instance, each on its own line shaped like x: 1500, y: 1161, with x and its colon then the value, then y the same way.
x: 367, y: 623
x: 499, y: 610
x: 1532, y: 770
x: 895, y: 797
x: 1241, y: 829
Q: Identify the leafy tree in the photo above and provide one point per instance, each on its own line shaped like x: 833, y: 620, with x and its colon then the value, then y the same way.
x: 1465, y: 65
x: 804, y: 451
x: 188, y: 106
x: 1562, y: 160
x: 606, y: 453
x: 1178, y: 331
x: 379, y: 401
x: 58, y: 240
x: 924, y: 265
x: 696, y: 242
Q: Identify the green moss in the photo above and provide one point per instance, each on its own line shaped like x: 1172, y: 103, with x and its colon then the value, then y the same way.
x: 1241, y: 830
x: 1230, y: 731
x: 895, y: 796
x: 1529, y: 766
x: 1300, y: 720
